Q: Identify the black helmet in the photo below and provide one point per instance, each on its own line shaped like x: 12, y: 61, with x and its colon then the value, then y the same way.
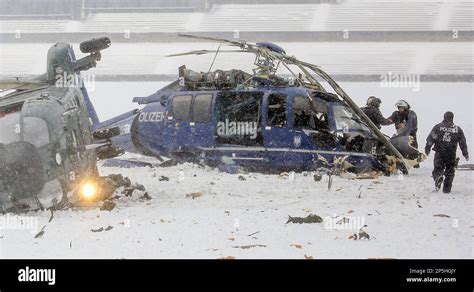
x: 374, y: 101
x: 448, y: 116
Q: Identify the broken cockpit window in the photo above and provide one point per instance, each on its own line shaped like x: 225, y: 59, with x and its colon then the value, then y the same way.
x: 239, y: 118
x: 347, y: 120
x: 310, y: 115
x: 276, y: 114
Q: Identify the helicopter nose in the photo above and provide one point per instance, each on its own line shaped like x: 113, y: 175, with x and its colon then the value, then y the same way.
x: 22, y: 169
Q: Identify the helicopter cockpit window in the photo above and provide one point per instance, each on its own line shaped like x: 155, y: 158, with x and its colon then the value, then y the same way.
x: 309, y: 116
x: 9, y: 127
x: 239, y: 118
x: 347, y: 120
x: 276, y: 114
x: 182, y: 107
x: 202, y: 108
x: 35, y: 131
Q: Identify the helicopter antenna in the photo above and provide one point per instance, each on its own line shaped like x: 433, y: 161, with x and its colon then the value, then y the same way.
x: 215, y: 56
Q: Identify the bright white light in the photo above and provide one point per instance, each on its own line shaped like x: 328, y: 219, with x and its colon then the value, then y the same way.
x: 88, y: 191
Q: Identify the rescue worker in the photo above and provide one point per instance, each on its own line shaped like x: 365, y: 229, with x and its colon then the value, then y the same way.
x: 372, y: 111
x: 405, y: 120
x: 445, y: 137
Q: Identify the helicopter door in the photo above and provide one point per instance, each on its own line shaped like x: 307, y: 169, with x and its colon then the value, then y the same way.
x: 238, y: 118
x: 201, y: 125
x: 181, y: 112
x: 277, y: 138
x: 310, y: 130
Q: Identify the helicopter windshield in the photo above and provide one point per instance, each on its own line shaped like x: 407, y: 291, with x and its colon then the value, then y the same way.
x: 346, y: 120
x: 34, y: 130
x: 9, y: 127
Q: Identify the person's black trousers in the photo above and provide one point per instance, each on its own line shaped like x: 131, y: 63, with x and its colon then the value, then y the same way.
x: 444, y: 165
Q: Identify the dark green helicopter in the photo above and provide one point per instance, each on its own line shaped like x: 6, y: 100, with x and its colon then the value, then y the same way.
x: 48, y: 143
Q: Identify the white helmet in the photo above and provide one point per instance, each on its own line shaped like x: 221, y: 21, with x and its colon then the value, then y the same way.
x: 402, y: 103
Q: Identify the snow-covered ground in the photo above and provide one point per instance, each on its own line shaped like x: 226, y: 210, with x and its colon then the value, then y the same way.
x: 404, y: 218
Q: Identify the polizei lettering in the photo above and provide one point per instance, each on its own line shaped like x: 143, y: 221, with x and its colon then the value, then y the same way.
x: 450, y: 130
x: 37, y: 275
x: 151, y: 117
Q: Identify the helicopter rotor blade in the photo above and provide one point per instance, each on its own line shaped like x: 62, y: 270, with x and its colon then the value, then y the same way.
x: 235, y: 43
x: 203, y: 52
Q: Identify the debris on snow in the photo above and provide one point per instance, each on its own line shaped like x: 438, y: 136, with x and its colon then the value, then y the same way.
x: 39, y: 234
x: 442, y: 215
x: 194, y: 195
x: 250, y: 246
x: 102, y: 229
x: 311, y: 218
x: 108, y: 206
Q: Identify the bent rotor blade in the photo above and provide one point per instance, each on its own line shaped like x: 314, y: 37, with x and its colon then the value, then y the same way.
x: 203, y: 52
x: 236, y: 43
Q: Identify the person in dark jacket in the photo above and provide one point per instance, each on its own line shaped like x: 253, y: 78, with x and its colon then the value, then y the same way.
x: 372, y: 111
x: 405, y: 120
x: 445, y: 137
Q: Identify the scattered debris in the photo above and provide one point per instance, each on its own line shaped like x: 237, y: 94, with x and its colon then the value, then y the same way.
x: 231, y: 238
x: 108, y: 206
x: 102, y: 229
x: 194, y: 195
x: 39, y: 234
x: 311, y: 218
x: 228, y: 258
x: 145, y: 197
x: 298, y: 246
x: 317, y: 177
x: 98, y: 229
x: 253, y: 233
x: 242, y: 178
x: 163, y: 178
x: 119, y: 180
x: 442, y: 215
x: 249, y: 246
x: 139, y: 187
x: 350, y: 211
x: 52, y: 215
x: 344, y: 220
x: 308, y: 257
x: 363, y: 233
x: 128, y: 191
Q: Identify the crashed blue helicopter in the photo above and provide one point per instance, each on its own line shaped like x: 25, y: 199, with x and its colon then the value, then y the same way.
x: 258, y: 121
